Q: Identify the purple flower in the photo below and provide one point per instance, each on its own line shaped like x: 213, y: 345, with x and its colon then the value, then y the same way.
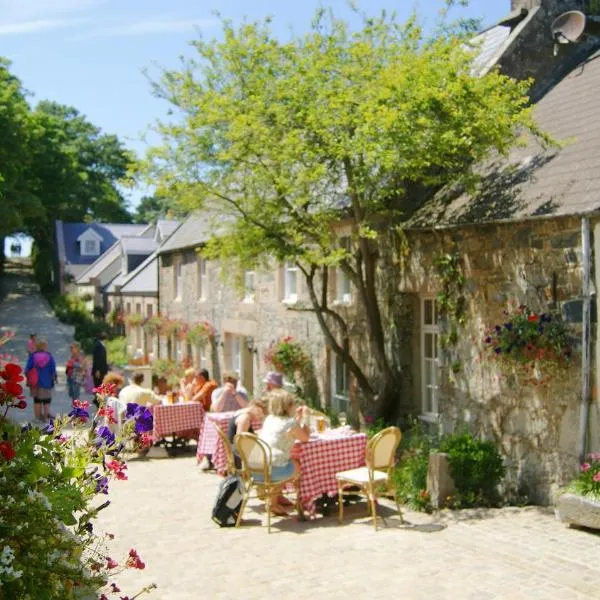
x: 488, y: 340
x: 26, y: 428
x: 79, y: 414
x: 498, y: 350
x: 89, y: 527
x: 508, y: 326
x: 104, y: 436
x: 144, y: 421
x: 133, y: 410
x: 48, y: 428
x: 101, y: 484
x: 498, y: 328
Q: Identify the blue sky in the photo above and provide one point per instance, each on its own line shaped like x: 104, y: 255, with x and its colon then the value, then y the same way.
x: 90, y: 53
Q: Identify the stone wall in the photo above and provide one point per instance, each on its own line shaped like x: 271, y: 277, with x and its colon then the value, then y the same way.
x: 137, y: 339
x: 537, y: 263
x: 256, y: 320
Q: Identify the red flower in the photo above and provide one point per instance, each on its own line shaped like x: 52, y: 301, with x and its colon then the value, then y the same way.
x: 108, y: 412
x: 110, y: 563
x: 21, y: 404
x: 114, y: 588
x: 7, y: 451
x: 134, y: 561
x: 106, y: 389
x: 12, y: 388
x: 118, y: 468
x: 12, y: 371
x: 81, y: 404
x: 103, y: 597
x: 533, y: 318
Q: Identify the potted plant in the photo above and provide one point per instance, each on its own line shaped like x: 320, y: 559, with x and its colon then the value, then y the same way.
x: 533, y: 346
x: 134, y: 319
x: 200, y: 333
x: 580, y: 503
x: 153, y: 325
x: 288, y: 357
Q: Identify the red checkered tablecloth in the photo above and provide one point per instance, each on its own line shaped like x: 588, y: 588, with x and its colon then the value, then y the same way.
x: 210, y: 443
x: 176, y: 418
x: 321, y: 458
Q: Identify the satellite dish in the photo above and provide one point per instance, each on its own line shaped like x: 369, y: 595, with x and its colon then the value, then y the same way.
x: 569, y: 27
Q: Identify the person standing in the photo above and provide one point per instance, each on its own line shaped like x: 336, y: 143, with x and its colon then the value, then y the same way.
x: 75, y: 372
x: 31, y: 343
x: 41, y: 375
x: 99, y: 360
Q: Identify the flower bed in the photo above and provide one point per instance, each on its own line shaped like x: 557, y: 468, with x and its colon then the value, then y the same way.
x: 580, y: 505
x: 50, y: 482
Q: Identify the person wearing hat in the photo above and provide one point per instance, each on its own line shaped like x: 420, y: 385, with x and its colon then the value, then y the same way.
x: 273, y: 381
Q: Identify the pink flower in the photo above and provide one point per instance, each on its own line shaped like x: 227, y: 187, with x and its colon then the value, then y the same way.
x: 108, y: 412
x: 114, y: 588
x: 596, y: 477
x: 110, y: 563
x: 81, y: 404
x: 118, y: 468
x: 586, y: 467
x: 134, y: 561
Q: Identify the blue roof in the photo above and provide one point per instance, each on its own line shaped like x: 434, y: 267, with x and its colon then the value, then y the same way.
x: 110, y: 233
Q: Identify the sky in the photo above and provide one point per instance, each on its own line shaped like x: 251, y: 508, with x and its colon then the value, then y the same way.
x: 91, y: 54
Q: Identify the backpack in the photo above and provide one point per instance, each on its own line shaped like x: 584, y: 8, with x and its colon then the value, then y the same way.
x: 32, y: 377
x: 228, y: 501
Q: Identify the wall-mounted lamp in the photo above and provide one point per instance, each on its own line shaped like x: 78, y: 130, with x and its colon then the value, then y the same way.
x: 250, y: 345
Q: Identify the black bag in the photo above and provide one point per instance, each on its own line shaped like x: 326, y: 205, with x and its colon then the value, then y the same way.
x: 228, y: 501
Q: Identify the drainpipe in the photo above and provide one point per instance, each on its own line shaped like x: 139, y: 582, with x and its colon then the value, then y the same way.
x: 585, y: 340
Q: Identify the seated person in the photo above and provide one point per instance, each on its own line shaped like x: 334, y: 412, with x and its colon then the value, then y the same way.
x: 283, y: 426
x: 241, y: 422
x: 203, y: 388
x: 227, y: 397
x: 160, y: 385
x: 134, y: 392
x: 115, y: 379
x: 187, y: 384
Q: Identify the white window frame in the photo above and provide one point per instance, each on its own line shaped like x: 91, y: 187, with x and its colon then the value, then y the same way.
x: 149, y: 310
x: 290, y: 270
x: 343, y: 285
x: 90, y: 247
x: 177, y: 279
x: 236, y: 354
x: 249, y: 285
x: 340, y: 401
x: 430, y: 409
x: 202, y: 279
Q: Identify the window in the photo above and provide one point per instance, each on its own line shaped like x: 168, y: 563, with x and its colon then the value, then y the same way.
x: 202, y: 279
x: 149, y: 310
x: 128, y: 308
x: 90, y: 248
x: 249, y: 289
x: 429, y: 357
x: 290, y: 282
x: 343, y: 291
x: 178, y: 276
x: 236, y: 355
x: 138, y: 308
x: 138, y: 338
x: 340, y: 385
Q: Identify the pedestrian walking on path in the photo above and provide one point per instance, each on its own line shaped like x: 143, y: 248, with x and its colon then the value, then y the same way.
x: 76, y: 370
x: 41, y: 377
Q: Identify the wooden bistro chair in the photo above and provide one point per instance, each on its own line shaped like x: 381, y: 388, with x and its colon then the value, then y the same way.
x: 231, y: 468
x: 256, y: 473
x: 380, y: 458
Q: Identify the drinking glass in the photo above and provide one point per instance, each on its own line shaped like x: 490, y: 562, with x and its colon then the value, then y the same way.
x: 342, y: 419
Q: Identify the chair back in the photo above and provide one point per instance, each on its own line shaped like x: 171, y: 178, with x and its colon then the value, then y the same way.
x: 255, y: 454
x: 381, y: 449
x: 231, y: 468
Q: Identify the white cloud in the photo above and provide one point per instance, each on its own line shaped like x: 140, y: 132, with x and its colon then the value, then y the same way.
x: 153, y: 26
x: 36, y: 26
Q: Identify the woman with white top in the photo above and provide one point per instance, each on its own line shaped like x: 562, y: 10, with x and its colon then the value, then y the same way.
x: 285, y: 424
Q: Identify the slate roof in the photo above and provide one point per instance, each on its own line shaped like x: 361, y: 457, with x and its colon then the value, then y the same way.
x: 68, y: 246
x: 143, y: 279
x: 165, y: 228
x: 490, y: 44
x: 194, y: 231
x: 138, y: 245
x: 532, y: 181
x: 100, y: 264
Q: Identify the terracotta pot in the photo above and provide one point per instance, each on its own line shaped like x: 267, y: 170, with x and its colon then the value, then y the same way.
x: 578, y: 510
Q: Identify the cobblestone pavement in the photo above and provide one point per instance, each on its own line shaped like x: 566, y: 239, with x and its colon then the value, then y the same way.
x: 163, y: 510
x: 24, y: 311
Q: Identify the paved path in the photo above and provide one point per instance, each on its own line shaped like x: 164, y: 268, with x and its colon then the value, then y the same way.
x: 163, y: 510
x: 23, y: 310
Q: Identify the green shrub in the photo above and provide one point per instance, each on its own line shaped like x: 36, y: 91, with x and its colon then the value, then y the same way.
x: 410, y: 476
x: 116, y: 350
x: 172, y: 371
x: 476, y: 468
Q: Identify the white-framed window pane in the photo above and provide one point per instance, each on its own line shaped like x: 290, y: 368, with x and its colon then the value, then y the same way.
x: 428, y: 312
x: 202, y: 279
x: 249, y: 284
x: 291, y: 281
x: 90, y: 247
x: 429, y: 356
x: 178, y: 272
x: 340, y: 384
x: 149, y: 310
x: 236, y: 355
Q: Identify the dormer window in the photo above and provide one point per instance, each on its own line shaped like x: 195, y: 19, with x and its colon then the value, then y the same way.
x: 89, y: 243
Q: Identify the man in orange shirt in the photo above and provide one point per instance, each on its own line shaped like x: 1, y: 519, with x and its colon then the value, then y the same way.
x: 204, y: 388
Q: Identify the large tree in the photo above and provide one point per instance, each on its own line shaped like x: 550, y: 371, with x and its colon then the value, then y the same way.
x: 290, y: 138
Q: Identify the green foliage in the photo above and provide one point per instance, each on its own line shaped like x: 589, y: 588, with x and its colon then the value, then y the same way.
x: 375, y: 426
x: 451, y: 301
x: 587, y: 483
x: 172, y: 371
x: 476, y: 468
x: 152, y: 208
x: 200, y: 334
x: 410, y: 476
x: 280, y: 140
x: 528, y: 341
x: 71, y: 309
x: 289, y: 357
x: 116, y: 352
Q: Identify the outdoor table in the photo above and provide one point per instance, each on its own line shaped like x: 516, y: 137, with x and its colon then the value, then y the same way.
x: 322, y: 457
x: 185, y: 419
x: 209, y: 443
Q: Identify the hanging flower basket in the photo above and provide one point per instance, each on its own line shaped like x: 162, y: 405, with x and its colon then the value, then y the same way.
x: 533, y: 346
x: 133, y: 320
x: 200, y: 334
x: 115, y: 317
x: 288, y: 357
x: 153, y: 325
x: 171, y: 327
